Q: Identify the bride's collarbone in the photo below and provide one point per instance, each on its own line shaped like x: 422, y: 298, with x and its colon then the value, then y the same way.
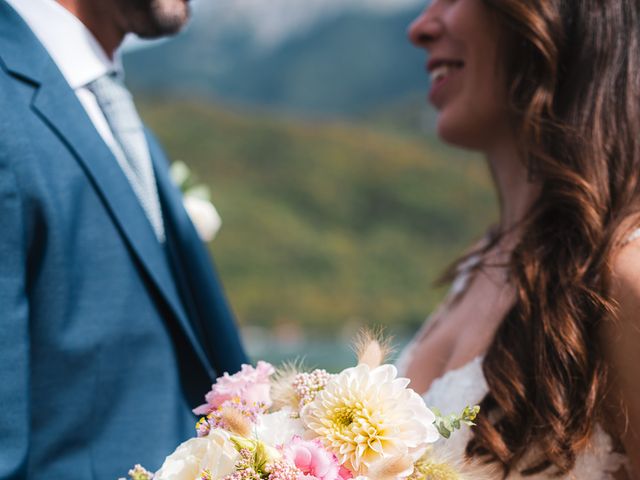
x: 442, y: 350
x: 461, y: 332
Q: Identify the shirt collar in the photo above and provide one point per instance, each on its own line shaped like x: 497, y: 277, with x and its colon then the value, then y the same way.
x: 71, y: 45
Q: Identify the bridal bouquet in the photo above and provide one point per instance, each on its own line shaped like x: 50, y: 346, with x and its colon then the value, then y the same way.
x: 289, y: 424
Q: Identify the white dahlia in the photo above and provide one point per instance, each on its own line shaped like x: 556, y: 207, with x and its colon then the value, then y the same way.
x: 367, y: 416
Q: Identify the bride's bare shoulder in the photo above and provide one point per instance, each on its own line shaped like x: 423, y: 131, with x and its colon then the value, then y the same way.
x: 625, y: 286
x: 622, y: 345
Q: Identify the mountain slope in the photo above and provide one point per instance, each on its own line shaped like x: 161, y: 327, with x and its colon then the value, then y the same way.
x: 326, y: 223
x: 342, y: 66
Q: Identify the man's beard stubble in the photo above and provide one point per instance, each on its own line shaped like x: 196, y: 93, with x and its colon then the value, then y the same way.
x: 154, y: 18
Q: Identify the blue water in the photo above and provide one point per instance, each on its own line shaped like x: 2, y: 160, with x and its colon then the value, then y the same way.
x: 332, y: 355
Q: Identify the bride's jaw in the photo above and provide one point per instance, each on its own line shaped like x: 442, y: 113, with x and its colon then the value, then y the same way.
x: 467, y: 89
x: 467, y: 92
x: 471, y: 101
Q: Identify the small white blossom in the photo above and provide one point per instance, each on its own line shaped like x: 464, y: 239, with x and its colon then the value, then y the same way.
x: 278, y: 428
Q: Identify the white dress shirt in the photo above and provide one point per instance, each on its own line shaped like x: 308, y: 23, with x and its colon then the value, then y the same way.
x: 75, y: 51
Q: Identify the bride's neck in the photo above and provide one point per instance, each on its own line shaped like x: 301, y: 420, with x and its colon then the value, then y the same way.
x: 516, y: 191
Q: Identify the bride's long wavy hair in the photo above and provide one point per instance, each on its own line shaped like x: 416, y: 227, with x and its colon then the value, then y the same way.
x: 573, y: 69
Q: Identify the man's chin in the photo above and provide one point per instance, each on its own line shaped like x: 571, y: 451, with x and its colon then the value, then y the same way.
x: 164, y: 20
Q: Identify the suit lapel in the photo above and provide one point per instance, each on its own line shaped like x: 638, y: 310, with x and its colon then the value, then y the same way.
x: 177, y: 226
x: 203, y: 291
x: 75, y: 129
x: 58, y: 106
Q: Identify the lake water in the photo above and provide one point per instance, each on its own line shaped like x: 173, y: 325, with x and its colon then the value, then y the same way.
x: 331, y: 354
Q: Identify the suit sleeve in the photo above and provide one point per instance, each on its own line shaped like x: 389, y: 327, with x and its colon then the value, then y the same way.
x: 14, y: 332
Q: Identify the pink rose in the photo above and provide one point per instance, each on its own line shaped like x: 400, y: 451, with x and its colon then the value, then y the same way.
x: 250, y: 385
x: 315, y: 462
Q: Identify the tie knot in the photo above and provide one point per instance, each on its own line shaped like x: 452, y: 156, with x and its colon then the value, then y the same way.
x: 109, y: 80
x: 115, y: 101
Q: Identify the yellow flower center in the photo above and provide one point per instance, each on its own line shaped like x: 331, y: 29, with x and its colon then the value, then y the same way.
x: 426, y: 470
x: 343, y: 417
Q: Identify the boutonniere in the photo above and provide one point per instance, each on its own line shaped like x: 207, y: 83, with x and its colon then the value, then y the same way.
x: 197, y: 202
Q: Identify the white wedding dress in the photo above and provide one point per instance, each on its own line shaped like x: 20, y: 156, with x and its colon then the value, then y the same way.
x: 466, y: 385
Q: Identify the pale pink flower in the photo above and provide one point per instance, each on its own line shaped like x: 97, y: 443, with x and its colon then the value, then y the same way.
x: 250, y: 385
x: 313, y: 460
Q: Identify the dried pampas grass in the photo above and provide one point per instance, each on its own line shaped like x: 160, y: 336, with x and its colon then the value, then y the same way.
x: 283, y: 394
x: 372, y: 348
x: 235, y: 421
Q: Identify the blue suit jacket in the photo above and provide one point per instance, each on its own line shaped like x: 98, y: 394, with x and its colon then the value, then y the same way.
x: 107, y: 338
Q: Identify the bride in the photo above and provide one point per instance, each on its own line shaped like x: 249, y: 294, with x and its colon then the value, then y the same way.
x: 542, y: 324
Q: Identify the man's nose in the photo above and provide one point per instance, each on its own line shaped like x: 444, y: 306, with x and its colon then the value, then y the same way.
x: 426, y: 27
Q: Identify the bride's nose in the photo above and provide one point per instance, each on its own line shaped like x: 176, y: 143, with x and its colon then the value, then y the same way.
x: 426, y: 27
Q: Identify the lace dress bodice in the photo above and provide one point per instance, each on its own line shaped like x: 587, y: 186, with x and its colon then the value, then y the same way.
x: 466, y: 385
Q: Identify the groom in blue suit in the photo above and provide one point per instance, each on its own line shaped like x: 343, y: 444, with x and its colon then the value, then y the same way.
x: 112, y: 321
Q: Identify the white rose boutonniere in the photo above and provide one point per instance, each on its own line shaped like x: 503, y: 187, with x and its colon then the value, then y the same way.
x: 204, y: 216
x: 197, y: 203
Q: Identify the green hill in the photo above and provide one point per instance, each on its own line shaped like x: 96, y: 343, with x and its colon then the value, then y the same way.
x: 328, y: 224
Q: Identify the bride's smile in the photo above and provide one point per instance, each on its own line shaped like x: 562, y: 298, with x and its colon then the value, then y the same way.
x: 441, y: 72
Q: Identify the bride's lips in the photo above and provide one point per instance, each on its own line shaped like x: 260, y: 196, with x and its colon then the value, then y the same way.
x: 441, y: 71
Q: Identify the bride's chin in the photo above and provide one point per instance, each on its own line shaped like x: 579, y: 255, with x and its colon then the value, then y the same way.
x: 449, y: 132
x: 460, y: 131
